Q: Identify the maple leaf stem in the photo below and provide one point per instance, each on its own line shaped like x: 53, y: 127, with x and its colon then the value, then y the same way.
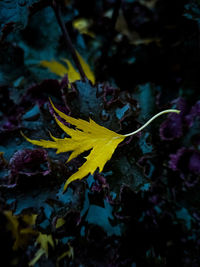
x: 153, y: 118
x: 57, y: 10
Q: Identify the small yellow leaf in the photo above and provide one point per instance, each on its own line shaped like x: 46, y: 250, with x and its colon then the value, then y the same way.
x: 43, y: 240
x: 73, y: 75
x: 87, y: 136
x: 82, y: 25
x: 60, y: 222
x: 69, y: 254
x: 37, y: 256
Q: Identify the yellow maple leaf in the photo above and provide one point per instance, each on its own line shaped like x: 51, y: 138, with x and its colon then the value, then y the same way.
x: 87, y: 136
x: 73, y: 75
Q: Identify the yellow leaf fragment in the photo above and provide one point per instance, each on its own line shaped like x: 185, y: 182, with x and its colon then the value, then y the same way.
x: 37, y: 256
x: 44, y: 241
x: 73, y: 75
x: 30, y: 219
x: 69, y: 254
x: 82, y: 25
x: 86, y: 68
x: 87, y: 136
x: 60, y: 222
x: 20, y: 234
x: 55, y: 67
x: 13, y: 226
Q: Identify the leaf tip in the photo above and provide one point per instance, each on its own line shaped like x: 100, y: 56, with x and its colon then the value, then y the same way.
x: 65, y: 187
x: 51, y: 102
x: 177, y: 111
x: 23, y: 135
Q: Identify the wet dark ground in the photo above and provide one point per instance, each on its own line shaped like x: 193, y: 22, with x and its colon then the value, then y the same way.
x: 144, y: 208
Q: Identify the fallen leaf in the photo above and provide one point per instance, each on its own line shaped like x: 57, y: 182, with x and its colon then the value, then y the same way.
x: 87, y: 136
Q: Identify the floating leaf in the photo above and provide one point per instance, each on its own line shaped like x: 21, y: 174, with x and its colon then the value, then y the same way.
x: 87, y: 136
